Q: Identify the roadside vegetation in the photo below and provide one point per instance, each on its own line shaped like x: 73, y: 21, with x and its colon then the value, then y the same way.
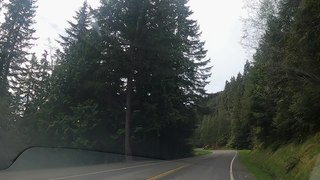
x: 276, y: 100
x: 291, y: 161
x: 201, y: 152
x: 247, y: 160
x: 273, y: 106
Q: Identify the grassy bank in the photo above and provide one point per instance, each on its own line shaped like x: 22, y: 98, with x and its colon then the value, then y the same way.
x: 247, y: 160
x: 201, y: 152
x: 292, y: 161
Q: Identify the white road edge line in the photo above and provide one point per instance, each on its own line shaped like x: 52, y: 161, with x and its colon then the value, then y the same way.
x: 231, y: 166
x: 111, y: 170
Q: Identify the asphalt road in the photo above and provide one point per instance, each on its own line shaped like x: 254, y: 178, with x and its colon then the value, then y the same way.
x: 220, y: 165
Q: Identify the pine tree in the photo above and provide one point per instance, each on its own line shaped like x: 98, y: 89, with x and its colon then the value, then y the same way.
x: 158, y: 51
x: 16, y: 34
x: 132, y: 79
x: 279, y: 93
x: 37, y: 84
x: 79, y: 29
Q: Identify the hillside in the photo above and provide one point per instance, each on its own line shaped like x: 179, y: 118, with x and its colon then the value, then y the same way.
x: 291, y: 161
x: 273, y: 107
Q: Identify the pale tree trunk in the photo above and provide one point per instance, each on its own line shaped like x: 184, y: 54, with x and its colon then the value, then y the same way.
x: 133, y: 57
x: 128, y: 152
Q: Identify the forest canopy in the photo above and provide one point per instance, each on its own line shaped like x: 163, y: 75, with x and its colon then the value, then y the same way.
x: 126, y: 78
x: 276, y: 100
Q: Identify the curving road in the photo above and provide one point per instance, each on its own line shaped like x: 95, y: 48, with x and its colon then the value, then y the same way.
x: 220, y: 165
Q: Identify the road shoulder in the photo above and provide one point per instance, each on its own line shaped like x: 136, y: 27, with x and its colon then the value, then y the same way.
x: 240, y: 172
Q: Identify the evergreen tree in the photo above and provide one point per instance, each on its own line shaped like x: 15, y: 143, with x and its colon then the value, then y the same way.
x: 16, y: 34
x: 68, y: 103
x: 79, y: 29
x: 157, y: 50
x: 276, y: 101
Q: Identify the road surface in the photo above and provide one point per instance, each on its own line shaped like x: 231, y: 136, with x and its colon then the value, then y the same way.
x: 220, y: 165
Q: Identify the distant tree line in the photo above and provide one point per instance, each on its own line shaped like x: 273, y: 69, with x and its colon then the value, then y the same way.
x: 277, y: 98
x: 127, y: 78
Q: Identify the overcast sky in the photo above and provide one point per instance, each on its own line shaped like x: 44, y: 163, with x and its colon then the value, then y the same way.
x: 219, y: 21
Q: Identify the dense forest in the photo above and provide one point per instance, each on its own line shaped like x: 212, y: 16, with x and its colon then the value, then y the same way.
x: 126, y: 78
x: 276, y: 100
x: 130, y: 76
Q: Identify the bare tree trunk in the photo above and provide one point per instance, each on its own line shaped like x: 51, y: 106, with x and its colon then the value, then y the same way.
x: 133, y: 57
x: 128, y: 152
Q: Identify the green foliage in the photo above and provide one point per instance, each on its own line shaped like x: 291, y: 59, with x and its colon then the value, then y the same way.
x: 276, y: 100
x: 290, y: 161
x: 16, y: 34
x: 152, y: 45
x: 247, y: 160
x: 227, y: 123
x: 201, y: 152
